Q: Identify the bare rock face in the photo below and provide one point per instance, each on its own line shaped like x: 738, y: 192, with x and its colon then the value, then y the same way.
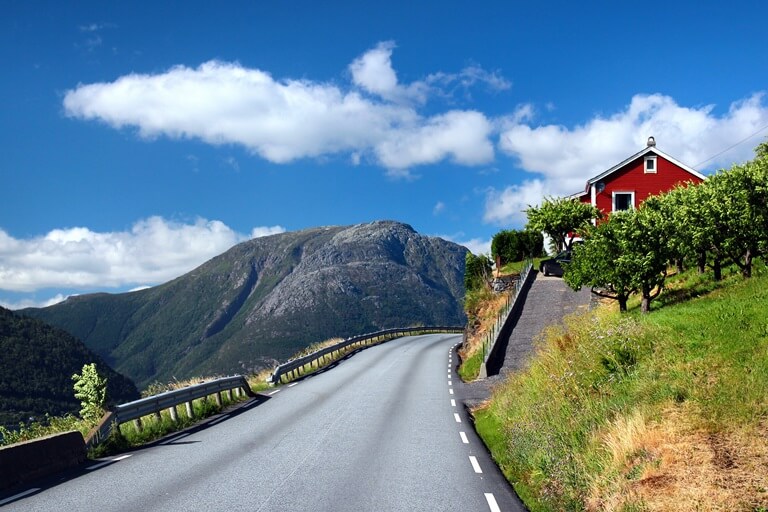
x: 264, y: 299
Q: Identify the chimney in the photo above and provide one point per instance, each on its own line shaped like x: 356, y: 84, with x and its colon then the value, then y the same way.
x: 651, y: 142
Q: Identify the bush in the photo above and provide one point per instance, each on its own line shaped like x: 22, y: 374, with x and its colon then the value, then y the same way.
x: 477, y: 273
x: 510, y: 245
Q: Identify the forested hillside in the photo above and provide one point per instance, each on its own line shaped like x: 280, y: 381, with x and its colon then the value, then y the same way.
x: 36, y: 370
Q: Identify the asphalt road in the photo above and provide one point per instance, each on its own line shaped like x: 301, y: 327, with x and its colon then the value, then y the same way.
x: 382, y: 430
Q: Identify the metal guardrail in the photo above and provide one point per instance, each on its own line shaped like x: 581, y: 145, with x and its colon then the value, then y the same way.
x: 295, y: 367
x: 492, y: 337
x: 153, y: 405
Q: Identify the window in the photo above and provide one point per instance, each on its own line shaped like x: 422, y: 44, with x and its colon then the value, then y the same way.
x: 650, y: 164
x: 623, y: 201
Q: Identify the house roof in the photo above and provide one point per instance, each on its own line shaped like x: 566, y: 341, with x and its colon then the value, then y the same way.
x: 648, y: 149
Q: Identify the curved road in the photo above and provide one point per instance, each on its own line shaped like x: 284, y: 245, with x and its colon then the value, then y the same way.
x: 383, y: 430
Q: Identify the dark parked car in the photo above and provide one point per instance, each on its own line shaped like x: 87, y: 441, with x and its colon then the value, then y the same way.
x: 552, y: 266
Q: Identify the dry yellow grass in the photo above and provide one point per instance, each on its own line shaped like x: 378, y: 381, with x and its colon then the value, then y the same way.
x: 673, y: 464
x: 486, y: 315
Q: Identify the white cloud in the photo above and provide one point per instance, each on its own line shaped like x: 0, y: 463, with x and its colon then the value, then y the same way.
x: 561, y: 159
x: 31, y: 303
x: 233, y: 163
x: 282, y: 120
x: 266, y: 231
x: 477, y: 246
x: 155, y: 250
x: 461, y: 136
x: 508, y: 206
x: 438, y: 208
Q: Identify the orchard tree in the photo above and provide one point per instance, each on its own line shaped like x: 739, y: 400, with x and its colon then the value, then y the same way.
x: 595, y: 263
x: 560, y: 219
x: 628, y: 253
x: 738, y: 215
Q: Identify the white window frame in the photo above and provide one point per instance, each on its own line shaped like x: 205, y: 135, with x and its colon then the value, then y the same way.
x: 650, y: 158
x: 631, y: 201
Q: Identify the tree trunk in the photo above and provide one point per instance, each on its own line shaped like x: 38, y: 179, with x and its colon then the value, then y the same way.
x: 746, y: 270
x: 717, y: 267
x: 645, y: 302
x: 701, y: 263
x: 679, y: 263
x: 622, y: 303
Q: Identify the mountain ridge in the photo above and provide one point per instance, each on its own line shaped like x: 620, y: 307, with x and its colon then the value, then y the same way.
x: 266, y: 298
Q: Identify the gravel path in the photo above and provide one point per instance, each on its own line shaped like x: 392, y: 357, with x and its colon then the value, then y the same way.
x: 548, y: 300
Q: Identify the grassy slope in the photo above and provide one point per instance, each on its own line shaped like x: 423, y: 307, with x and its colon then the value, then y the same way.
x: 663, y: 412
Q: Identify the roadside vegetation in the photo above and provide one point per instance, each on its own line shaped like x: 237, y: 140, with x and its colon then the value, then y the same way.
x: 89, y: 389
x: 636, y: 412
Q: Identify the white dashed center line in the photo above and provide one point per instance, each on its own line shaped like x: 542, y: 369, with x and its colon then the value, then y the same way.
x: 217, y: 420
x: 475, y: 464
x: 463, y: 437
x: 110, y: 461
x: 457, y: 417
x: 291, y: 385
x: 492, y: 502
x: 274, y: 392
x: 450, y: 391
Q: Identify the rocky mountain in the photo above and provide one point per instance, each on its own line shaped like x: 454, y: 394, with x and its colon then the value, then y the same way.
x: 36, y: 370
x: 266, y: 298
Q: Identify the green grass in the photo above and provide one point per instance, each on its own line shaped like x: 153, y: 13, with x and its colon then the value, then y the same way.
x: 469, y: 369
x: 704, y: 350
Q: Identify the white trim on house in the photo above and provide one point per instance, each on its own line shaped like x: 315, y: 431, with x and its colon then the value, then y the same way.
x: 650, y: 164
x: 650, y: 149
x: 622, y: 192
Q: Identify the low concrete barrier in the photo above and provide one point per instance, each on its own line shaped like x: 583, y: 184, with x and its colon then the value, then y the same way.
x: 505, y: 323
x: 29, y: 460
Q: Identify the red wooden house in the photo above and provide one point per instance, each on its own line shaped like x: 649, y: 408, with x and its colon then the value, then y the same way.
x: 629, y: 183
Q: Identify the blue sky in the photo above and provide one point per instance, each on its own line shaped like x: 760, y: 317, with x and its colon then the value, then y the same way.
x: 140, y: 139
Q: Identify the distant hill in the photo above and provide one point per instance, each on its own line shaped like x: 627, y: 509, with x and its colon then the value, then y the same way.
x: 266, y: 298
x: 36, y: 370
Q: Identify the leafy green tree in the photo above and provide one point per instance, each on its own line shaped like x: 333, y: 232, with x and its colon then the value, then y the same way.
x: 628, y: 253
x: 738, y: 212
x: 91, y: 390
x: 560, y: 219
x: 597, y: 263
x: 477, y: 272
x: 761, y: 151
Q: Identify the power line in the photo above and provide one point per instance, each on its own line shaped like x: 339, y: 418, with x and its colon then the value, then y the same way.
x: 742, y: 141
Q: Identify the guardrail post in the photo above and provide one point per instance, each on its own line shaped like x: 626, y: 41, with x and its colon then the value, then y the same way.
x: 137, y: 424
x: 217, y: 397
x: 158, y: 416
x: 174, y: 413
x: 229, y: 395
x: 190, y: 412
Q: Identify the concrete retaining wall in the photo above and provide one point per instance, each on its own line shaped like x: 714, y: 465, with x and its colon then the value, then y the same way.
x: 23, y: 462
